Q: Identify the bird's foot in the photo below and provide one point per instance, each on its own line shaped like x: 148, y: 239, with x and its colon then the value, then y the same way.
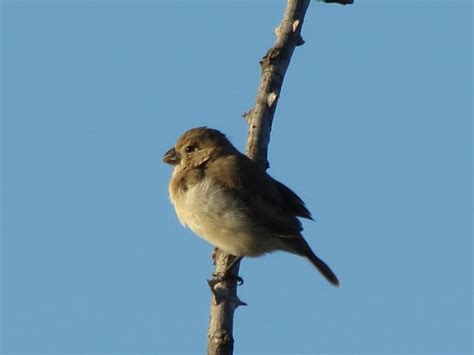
x: 229, y: 279
x: 221, y: 293
x: 222, y: 277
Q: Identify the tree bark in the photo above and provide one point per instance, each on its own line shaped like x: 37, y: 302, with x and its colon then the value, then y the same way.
x: 273, y: 68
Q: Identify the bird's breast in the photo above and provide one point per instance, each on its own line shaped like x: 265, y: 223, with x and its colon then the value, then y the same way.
x: 219, y: 217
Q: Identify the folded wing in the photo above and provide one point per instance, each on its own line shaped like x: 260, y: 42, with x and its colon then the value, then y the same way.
x: 268, y: 202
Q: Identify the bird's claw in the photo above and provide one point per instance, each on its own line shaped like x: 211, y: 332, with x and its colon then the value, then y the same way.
x: 221, y: 277
x: 220, y: 294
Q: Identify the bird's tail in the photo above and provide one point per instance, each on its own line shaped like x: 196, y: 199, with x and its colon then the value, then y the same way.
x: 323, y: 268
x: 302, y: 248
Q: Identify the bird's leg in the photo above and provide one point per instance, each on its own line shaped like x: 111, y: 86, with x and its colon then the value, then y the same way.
x: 227, y: 274
x: 232, y: 265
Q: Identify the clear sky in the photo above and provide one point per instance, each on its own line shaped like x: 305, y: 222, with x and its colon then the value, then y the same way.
x: 373, y: 130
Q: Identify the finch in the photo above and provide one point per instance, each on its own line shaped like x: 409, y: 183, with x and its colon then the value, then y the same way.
x: 225, y: 198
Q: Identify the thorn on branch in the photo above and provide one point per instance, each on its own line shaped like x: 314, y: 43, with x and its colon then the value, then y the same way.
x: 299, y: 41
x: 247, y: 115
x: 240, y: 303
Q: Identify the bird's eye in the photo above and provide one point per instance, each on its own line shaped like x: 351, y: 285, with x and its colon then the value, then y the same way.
x: 190, y: 148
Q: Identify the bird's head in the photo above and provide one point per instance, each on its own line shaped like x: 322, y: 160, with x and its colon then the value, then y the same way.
x: 197, y: 146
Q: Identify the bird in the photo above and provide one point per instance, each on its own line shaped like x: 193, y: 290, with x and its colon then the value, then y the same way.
x: 228, y: 200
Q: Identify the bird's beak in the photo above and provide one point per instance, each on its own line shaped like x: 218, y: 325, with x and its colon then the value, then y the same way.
x: 171, y: 157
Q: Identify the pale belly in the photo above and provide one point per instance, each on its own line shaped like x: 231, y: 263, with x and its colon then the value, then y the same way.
x: 218, y: 218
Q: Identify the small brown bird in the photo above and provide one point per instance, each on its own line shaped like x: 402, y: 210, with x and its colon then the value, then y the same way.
x: 225, y: 198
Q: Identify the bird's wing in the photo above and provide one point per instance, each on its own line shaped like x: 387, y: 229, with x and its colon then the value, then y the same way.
x: 294, y: 203
x: 268, y: 202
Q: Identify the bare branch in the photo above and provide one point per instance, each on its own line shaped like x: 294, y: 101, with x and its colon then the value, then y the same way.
x: 223, y: 305
x: 274, y: 65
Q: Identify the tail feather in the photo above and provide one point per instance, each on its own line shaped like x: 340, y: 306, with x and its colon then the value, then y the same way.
x: 300, y: 246
x: 324, y: 269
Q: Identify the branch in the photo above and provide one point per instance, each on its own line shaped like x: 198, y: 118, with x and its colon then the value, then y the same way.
x: 274, y: 65
x: 224, y: 302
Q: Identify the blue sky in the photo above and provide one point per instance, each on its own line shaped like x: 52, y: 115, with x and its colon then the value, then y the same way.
x: 373, y: 130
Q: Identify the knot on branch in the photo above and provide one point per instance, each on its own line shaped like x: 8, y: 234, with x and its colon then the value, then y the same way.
x: 224, y: 293
x: 222, y: 341
x: 276, y: 31
x: 271, y: 98
x: 270, y: 58
x: 295, y: 25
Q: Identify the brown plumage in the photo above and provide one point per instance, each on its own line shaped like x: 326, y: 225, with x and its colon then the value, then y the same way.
x: 225, y: 198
